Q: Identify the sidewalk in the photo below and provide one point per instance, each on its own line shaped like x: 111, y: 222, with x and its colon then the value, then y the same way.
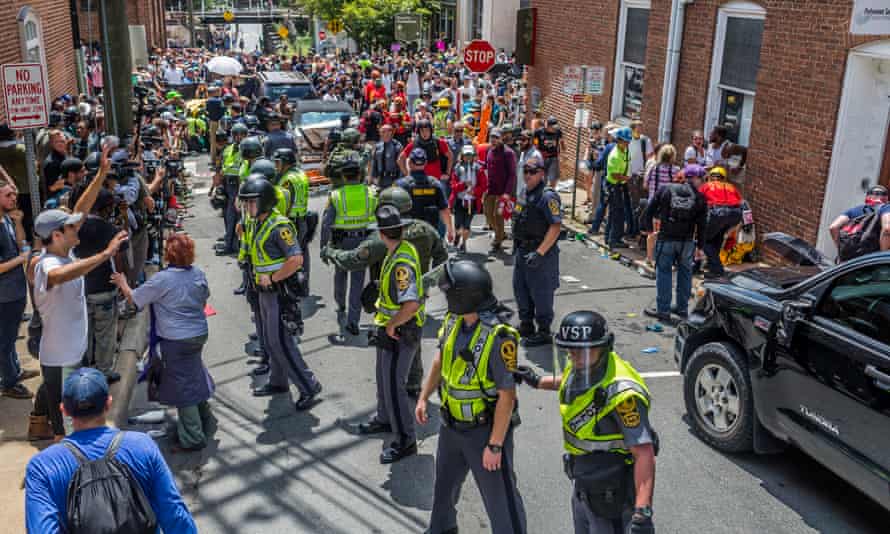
x: 16, y: 450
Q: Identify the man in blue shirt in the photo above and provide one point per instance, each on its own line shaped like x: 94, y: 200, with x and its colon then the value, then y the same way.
x: 876, y: 199
x: 86, y: 400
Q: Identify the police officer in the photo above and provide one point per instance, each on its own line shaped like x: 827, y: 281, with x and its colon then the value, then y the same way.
x: 399, y: 319
x: 251, y: 148
x: 344, y: 149
x: 344, y: 224
x: 335, y: 136
x: 536, y: 226
x: 277, y: 136
x: 427, y: 196
x: 472, y: 372
x: 609, y: 441
x: 253, y: 125
x: 275, y: 257
x: 372, y: 251
x: 294, y: 179
x: 283, y: 195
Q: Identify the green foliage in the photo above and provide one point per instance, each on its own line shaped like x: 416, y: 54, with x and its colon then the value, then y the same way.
x: 369, y: 22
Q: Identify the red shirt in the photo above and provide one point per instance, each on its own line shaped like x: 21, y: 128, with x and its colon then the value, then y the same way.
x: 433, y: 168
x: 719, y: 193
x: 398, y: 120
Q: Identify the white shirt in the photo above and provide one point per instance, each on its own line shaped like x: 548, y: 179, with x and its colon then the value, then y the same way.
x: 714, y: 155
x: 692, y: 153
x: 637, y: 158
x: 63, y: 309
x: 173, y: 76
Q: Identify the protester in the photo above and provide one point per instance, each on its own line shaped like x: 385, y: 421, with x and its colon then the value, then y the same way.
x: 86, y: 400
x: 177, y: 296
x: 500, y: 165
x: 662, y: 172
x: 551, y: 144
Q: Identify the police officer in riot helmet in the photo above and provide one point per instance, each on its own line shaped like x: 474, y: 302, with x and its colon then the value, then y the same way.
x: 610, y: 450
x: 478, y: 414
x: 427, y: 195
x: 335, y: 136
x: 275, y: 256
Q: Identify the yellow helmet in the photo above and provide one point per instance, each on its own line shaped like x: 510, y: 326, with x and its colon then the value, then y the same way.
x: 718, y: 171
x: 443, y: 103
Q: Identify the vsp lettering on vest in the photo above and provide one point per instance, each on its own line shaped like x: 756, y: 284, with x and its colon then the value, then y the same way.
x: 583, y: 418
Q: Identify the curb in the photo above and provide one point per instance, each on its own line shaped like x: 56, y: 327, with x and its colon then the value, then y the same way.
x: 579, y: 229
x: 133, y: 345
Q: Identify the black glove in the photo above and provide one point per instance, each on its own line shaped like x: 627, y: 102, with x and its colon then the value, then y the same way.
x: 324, y: 255
x: 524, y: 373
x: 640, y: 524
x: 534, y: 260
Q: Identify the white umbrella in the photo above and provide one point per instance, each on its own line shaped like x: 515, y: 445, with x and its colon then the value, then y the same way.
x: 224, y: 66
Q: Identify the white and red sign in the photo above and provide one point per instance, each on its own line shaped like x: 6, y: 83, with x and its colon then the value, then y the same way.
x: 479, y: 56
x: 25, y: 95
x: 322, y: 35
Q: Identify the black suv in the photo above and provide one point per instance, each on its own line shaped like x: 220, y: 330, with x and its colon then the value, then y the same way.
x: 294, y: 84
x: 797, y: 355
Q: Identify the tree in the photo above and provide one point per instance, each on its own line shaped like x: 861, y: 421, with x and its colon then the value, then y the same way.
x: 369, y: 22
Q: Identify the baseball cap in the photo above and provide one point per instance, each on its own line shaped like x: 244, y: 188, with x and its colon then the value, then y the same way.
x: 418, y: 156
x: 51, y: 220
x: 496, y: 132
x: 85, y: 392
x: 877, y: 190
x: 693, y: 170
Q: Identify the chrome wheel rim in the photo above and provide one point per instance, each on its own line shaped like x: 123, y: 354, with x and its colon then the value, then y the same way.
x: 717, y: 398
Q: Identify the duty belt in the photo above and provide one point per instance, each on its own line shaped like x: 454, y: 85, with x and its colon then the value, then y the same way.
x: 528, y: 244
x: 340, y: 234
x: 483, y: 419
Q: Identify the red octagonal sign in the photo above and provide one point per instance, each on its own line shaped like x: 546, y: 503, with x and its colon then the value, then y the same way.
x: 479, y: 56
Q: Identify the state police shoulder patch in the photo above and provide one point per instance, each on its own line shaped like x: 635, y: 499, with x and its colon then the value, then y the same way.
x: 508, y: 354
x: 628, y: 412
x: 287, y: 236
x: 553, y: 204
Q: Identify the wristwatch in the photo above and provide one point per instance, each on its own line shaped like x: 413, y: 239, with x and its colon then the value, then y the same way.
x: 496, y: 449
x: 645, y: 511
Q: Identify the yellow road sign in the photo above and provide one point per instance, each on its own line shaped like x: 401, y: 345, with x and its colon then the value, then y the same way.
x: 282, y: 32
x: 335, y: 26
x: 228, y: 16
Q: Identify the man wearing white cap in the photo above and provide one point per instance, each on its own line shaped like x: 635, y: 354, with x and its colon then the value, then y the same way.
x: 59, y: 292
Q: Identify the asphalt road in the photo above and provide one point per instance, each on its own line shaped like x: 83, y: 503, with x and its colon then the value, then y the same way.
x: 270, y: 469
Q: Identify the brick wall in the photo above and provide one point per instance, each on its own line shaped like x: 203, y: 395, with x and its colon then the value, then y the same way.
x: 803, y: 57
x: 148, y: 13
x: 57, y: 40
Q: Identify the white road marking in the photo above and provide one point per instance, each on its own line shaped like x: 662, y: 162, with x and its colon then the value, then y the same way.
x: 660, y: 374
x: 200, y: 190
x: 191, y: 166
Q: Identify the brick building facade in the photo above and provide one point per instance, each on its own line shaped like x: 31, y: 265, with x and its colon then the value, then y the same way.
x: 57, y: 41
x: 148, y: 13
x: 786, y: 105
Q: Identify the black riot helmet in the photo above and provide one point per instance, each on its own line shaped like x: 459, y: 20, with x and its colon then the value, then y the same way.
x: 256, y: 187
x: 239, y: 129
x: 584, y: 329
x: 250, y: 147
x: 252, y: 122
x: 284, y: 155
x: 221, y: 135
x: 467, y: 287
x: 266, y: 168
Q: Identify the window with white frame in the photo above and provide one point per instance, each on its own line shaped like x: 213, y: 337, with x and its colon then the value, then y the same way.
x: 630, y: 58
x: 734, y: 68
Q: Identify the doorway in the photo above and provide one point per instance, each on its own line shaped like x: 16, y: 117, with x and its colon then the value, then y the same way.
x: 860, y: 154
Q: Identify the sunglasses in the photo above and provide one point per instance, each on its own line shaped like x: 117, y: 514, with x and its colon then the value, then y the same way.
x: 531, y: 169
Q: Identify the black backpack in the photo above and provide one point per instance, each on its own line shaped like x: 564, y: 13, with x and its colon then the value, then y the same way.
x: 682, y: 204
x: 105, y: 498
x: 860, y: 236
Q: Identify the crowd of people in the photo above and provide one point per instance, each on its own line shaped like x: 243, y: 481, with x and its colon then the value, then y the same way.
x: 430, y: 146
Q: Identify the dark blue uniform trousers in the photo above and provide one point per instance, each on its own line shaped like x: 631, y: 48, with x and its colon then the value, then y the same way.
x: 230, y: 215
x: 534, y: 288
x: 285, y: 360
x: 356, y: 284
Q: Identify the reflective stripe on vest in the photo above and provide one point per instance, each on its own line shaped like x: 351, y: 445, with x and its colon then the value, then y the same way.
x: 299, y: 183
x: 353, y: 207
x: 386, y: 308
x: 231, y: 161
x: 467, y: 391
x: 262, y: 263
x: 580, y: 417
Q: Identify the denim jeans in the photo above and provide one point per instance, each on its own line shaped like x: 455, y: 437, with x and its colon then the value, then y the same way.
x: 667, y: 254
x: 600, y: 211
x: 10, y: 320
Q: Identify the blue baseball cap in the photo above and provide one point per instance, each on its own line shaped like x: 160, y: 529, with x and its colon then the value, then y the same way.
x: 85, y: 392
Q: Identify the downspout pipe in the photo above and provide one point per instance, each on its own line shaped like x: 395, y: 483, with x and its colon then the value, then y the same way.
x: 671, y: 69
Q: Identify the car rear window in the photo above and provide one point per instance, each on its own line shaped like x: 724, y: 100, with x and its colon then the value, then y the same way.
x: 293, y: 92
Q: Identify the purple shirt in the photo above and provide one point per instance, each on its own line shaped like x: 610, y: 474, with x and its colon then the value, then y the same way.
x: 501, y: 166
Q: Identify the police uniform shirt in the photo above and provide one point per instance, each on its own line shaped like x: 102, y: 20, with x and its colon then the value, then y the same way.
x: 282, y: 242
x: 501, y: 359
x: 630, y: 419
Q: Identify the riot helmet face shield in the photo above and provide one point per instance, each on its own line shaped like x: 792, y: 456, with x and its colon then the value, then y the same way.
x: 585, y: 361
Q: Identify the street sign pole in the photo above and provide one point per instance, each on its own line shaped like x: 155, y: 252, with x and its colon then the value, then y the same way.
x: 33, y: 184
x: 578, y: 140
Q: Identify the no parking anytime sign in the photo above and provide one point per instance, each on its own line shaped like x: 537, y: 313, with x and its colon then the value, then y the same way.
x: 25, y: 95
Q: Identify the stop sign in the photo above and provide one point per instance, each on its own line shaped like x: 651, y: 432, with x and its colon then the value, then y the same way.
x: 322, y: 35
x: 479, y: 56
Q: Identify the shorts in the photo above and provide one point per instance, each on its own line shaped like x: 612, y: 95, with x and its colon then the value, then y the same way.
x: 463, y: 214
x: 551, y: 168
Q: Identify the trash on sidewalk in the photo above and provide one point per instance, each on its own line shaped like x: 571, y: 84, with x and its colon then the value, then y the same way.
x: 565, y: 186
x: 569, y: 279
x: 148, y: 418
x: 655, y: 327
x: 209, y: 311
x: 649, y: 350
x: 631, y: 315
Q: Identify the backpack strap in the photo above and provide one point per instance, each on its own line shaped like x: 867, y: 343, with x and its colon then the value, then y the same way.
x: 115, y: 445
x: 79, y: 456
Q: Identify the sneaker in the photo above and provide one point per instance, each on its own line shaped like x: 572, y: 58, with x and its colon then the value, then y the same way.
x: 306, y: 402
x: 683, y: 315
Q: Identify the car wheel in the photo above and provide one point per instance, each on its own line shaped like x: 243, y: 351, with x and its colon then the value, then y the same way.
x: 717, y: 391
